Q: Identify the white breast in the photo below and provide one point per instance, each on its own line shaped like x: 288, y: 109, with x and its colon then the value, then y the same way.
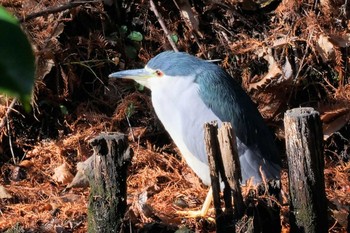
x: 183, y: 116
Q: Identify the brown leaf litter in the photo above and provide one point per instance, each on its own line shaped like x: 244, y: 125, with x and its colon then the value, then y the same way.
x: 294, y: 55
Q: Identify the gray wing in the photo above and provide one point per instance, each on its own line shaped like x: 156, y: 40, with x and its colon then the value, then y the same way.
x: 230, y: 103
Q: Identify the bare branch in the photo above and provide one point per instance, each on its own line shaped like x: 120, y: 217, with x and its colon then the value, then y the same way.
x: 9, y: 109
x: 52, y: 10
x: 162, y: 24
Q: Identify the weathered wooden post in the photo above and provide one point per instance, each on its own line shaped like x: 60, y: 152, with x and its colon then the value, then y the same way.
x: 232, y: 168
x: 224, y: 162
x: 304, y: 144
x: 213, y: 152
x: 107, y: 200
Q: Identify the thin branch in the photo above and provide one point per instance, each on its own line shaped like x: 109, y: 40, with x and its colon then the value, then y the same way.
x: 10, y: 144
x: 9, y: 109
x: 162, y: 24
x: 304, y: 56
x: 52, y: 10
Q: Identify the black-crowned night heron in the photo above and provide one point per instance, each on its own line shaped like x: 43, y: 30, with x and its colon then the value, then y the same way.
x: 188, y: 92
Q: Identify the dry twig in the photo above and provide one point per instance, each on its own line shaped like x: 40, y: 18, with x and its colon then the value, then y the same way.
x: 162, y: 24
x: 9, y: 109
x: 52, y: 10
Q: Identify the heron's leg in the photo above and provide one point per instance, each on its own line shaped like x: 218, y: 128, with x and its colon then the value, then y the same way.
x: 199, y: 213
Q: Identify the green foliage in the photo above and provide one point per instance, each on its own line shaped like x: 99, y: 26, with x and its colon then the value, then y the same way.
x: 123, y: 30
x: 130, y: 110
x: 175, y: 38
x: 17, y: 67
x: 64, y: 110
x: 135, y: 36
x: 140, y: 87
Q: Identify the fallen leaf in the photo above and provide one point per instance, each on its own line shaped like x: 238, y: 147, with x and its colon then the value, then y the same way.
x: 26, y: 163
x: 325, y: 48
x: 80, y: 180
x: 62, y: 174
x: 3, y: 193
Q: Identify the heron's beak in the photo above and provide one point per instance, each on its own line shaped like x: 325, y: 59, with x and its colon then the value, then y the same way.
x: 139, y: 75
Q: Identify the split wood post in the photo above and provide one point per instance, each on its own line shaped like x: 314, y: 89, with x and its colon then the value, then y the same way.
x: 213, y: 152
x: 107, y: 199
x: 304, y: 145
x: 232, y: 169
x: 224, y: 162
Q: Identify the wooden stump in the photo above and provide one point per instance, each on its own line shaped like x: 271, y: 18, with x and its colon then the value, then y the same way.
x: 107, y: 200
x: 213, y: 152
x: 232, y: 169
x: 224, y: 163
x: 304, y: 144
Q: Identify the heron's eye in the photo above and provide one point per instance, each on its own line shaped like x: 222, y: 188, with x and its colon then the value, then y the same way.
x: 159, y: 73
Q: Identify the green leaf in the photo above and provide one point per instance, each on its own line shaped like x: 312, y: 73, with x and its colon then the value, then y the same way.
x: 140, y: 87
x: 64, y: 110
x: 4, y: 15
x: 135, y: 36
x: 175, y: 38
x: 123, y: 29
x: 130, y: 110
x: 17, y: 67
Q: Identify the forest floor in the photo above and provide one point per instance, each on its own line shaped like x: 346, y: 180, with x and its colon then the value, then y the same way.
x: 285, y: 54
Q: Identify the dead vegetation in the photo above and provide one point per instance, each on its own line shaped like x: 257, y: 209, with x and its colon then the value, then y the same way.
x: 285, y: 54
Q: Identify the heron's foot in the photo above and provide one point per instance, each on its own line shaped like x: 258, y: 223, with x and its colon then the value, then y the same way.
x: 199, y: 213
x: 196, y: 214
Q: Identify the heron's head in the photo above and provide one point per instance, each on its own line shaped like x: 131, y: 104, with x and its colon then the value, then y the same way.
x: 164, y: 67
